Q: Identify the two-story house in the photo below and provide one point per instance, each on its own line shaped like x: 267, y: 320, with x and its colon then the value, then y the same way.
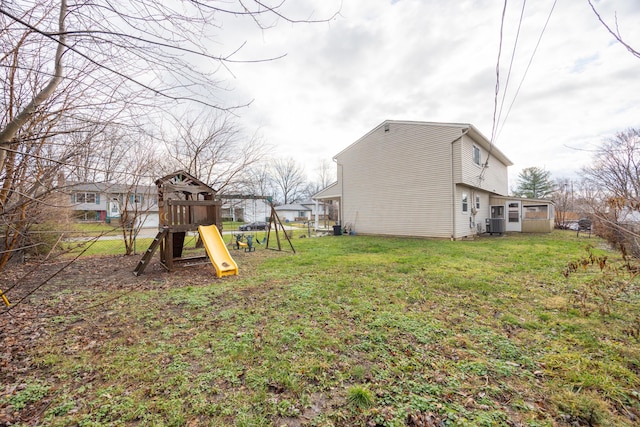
x: 107, y: 202
x: 426, y: 179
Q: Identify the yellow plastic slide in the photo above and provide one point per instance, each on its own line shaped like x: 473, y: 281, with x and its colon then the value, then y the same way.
x: 217, y: 251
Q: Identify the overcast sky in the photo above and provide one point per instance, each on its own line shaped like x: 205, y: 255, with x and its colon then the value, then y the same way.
x: 435, y: 60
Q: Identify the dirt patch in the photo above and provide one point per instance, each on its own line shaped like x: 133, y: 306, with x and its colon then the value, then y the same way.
x: 42, y: 292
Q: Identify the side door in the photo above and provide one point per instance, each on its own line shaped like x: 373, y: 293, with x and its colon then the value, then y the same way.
x: 514, y: 215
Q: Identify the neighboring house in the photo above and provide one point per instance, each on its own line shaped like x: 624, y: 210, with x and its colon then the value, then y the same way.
x: 105, y: 202
x: 293, y: 212
x: 306, y: 210
x: 427, y: 179
x: 248, y: 209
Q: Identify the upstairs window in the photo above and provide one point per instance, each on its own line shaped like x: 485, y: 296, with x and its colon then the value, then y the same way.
x: 476, y: 155
x: 87, y: 198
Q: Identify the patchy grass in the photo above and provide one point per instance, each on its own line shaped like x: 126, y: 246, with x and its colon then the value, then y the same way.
x: 349, y: 331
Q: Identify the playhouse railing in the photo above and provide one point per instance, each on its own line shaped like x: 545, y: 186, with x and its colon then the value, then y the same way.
x: 187, y: 215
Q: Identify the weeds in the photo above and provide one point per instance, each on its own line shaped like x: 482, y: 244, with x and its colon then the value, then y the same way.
x: 349, y: 331
x: 602, y: 284
x: 30, y: 392
x: 360, y: 397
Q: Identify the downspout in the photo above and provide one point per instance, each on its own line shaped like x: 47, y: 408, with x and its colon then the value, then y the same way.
x: 453, y: 187
x: 341, y: 178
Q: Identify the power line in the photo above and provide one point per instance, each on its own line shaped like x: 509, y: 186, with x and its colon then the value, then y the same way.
x: 513, y: 55
x: 495, y: 98
x: 544, y: 28
x: 497, y: 90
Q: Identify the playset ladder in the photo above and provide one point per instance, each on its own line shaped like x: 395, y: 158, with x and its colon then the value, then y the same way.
x: 149, y: 254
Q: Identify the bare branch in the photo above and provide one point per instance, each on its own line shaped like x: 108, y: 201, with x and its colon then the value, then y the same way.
x: 615, y: 34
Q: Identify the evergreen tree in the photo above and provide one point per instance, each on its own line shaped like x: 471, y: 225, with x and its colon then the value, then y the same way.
x: 534, y: 183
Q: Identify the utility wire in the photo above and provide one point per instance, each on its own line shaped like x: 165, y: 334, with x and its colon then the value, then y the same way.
x: 544, y: 28
x: 513, y: 55
x: 495, y: 98
x: 497, y: 91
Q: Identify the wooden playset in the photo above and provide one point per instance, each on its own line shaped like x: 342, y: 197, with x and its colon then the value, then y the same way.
x: 184, y: 203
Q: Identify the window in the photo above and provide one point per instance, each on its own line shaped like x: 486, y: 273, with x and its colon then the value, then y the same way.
x: 135, y: 198
x: 477, y: 202
x: 535, y: 212
x: 465, y: 202
x: 476, y: 155
x: 87, y: 198
x: 514, y: 212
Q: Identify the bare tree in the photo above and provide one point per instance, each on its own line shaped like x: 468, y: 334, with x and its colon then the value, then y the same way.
x: 616, y: 166
x: 213, y: 148
x: 66, y: 70
x: 615, y: 173
x: 258, y: 181
x: 325, y: 175
x: 100, y: 152
x: 289, y: 179
x: 138, y: 195
x: 563, y: 199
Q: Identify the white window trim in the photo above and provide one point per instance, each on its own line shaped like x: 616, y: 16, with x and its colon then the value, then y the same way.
x: 477, y: 160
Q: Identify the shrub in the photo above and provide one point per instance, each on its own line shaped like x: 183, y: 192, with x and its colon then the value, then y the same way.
x: 41, y: 238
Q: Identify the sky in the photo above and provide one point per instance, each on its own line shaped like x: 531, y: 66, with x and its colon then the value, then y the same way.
x: 435, y: 61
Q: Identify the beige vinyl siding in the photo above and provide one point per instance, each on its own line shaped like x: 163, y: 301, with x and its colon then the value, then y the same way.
x: 463, y: 227
x: 399, y: 182
x: 485, y: 211
x: 469, y: 172
x: 494, y: 178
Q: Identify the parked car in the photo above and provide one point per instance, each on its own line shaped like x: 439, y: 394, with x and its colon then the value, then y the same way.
x: 569, y: 225
x: 257, y: 225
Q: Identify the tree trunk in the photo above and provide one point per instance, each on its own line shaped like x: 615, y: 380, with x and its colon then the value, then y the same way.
x: 11, y: 129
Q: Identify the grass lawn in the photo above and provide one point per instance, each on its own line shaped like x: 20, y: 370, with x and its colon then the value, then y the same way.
x: 348, y: 331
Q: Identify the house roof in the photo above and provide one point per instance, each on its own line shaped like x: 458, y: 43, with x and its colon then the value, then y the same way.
x: 465, y: 128
x: 309, y: 202
x: 106, y: 187
x: 292, y: 207
x: 183, y: 182
x: 524, y: 200
x: 332, y: 191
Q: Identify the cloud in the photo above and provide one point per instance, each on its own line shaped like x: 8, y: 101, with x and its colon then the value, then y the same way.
x: 436, y: 61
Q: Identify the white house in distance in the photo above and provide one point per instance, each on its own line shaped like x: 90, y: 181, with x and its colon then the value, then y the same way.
x: 306, y: 210
x: 426, y: 179
x: 246, y: 208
